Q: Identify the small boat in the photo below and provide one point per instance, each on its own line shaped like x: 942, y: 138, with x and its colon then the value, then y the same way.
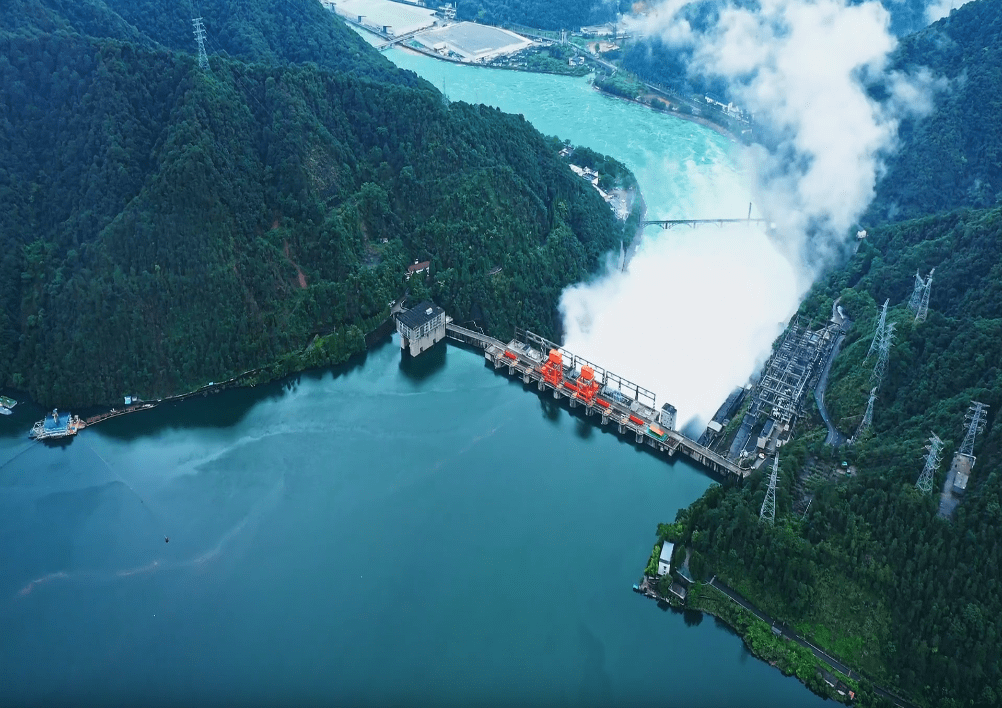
x: 6, y: 404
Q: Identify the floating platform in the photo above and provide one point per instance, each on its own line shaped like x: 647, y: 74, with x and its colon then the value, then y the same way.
x: 56, y: 425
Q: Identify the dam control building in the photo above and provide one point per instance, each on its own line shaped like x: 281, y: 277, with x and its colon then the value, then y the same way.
x: 421, y: 327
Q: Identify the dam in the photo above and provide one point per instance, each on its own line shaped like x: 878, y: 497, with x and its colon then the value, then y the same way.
x: 611, y: 400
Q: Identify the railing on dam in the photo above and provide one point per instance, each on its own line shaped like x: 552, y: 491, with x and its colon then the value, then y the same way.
x: 626, y: 405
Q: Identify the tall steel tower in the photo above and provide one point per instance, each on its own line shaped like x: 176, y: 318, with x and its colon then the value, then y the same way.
x: 867, y: 417
x: 923, y: 308
x: 880, y: 368
x: 932, y: 460
x: 203, y: 60
x: 916, y: 299
x: 975, y: 420
x: 878, y: 335
x: 768, y: 512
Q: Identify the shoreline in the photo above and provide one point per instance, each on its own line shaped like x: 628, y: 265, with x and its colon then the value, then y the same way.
x: 688, y: 117
x: 776, y: 644
x: 715, y: 127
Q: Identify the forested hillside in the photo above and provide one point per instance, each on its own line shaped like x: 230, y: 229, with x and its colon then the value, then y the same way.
x: 164, y: 227
x: 870, y: 571
x: 293, y: 31
x: 952, y: 158
x: 542, y: 14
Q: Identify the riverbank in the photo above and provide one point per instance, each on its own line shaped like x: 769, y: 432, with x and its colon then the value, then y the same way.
x: 773, y: 642
x: 715, y: 127
x: 765, y: 640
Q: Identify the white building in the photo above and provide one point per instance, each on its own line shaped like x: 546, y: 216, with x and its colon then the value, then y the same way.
x: 664, y: 562
x: 421, y: 327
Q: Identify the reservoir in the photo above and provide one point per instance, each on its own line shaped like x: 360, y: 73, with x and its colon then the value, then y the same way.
x: 394, y: 532
x: 397, y: 532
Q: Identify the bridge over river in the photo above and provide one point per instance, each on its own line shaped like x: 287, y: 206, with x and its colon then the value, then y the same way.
x: 612, y: 399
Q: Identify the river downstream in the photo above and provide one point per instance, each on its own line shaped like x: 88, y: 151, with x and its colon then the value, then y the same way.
x: 421, y: 532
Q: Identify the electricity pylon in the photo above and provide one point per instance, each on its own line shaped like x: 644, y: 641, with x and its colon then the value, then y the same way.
x: 932, y: 460
x: 919, y: 301
x: 203, y: 60
x: 867, y: 417
x: 916, y: 299
x: 975, y: 420
x: 768, y: 512
x: 878, y: 335
x: 880, y: 368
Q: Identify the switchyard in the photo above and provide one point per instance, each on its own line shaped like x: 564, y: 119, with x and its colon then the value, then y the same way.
x: 627, y: 408
x: 778, y: 397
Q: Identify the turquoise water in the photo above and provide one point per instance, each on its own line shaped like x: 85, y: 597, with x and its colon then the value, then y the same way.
x: 411, y: 532
x: 684, y: 169
x: 420, y: 532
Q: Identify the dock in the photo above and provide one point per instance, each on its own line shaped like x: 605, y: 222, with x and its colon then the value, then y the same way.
x: 612, y: 400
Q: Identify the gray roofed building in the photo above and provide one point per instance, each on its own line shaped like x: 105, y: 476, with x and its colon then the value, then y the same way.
x: 421, y: 327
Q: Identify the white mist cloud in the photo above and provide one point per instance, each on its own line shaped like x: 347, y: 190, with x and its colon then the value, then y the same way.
x: 682, y: 320
x: 938, y: 9
x: 694, y: 314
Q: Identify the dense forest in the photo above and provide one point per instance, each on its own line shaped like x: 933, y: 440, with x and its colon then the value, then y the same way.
x: 164, y: 227
x: 541, y: 14
x: 953, y: 157
x: 859, y: 560
x: 273, y: 33
x: 868, y: 570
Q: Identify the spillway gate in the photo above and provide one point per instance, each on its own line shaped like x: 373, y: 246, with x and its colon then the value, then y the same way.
x: 610, y: 398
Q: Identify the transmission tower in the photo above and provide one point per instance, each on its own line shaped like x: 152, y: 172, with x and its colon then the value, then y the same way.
x: 885, y: 347
x: 932, y: 460
x: 768, y: 512
x: 923, y: 308
x: 878, y: 335
x: 975, y: 422
x: 867, y: 417
x: 916, y: 299
x: 203, y: 60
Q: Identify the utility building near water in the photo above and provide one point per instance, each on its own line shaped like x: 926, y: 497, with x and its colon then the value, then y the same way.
x: 421, y: 327
x: 664, y: 561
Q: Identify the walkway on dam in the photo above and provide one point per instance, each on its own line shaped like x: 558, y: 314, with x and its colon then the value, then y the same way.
x: 629, y: 406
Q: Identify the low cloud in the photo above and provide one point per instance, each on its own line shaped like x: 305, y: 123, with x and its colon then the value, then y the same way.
x: 808, y: 71
x: 938, y: 9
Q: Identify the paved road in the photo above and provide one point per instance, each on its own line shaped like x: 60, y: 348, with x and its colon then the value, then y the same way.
x: 818, y: 652
x: 834, y: 436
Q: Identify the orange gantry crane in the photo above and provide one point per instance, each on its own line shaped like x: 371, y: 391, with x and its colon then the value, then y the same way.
x: 553, y: 368
x: 587, y: 385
